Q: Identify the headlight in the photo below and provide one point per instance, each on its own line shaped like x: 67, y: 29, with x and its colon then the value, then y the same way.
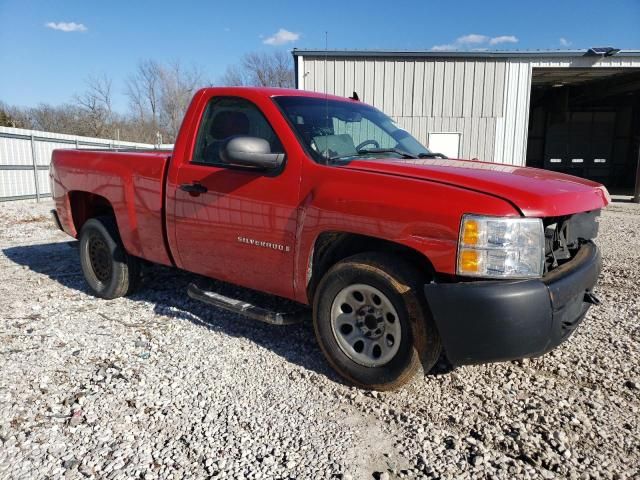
x: 500, y: 247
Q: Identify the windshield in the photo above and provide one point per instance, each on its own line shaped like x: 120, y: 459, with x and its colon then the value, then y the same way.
x: 334, y: 130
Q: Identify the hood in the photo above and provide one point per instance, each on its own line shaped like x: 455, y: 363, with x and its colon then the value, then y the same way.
x: 536, y: 193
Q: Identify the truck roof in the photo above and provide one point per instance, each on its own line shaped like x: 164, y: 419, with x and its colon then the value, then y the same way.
x: 275, y: 92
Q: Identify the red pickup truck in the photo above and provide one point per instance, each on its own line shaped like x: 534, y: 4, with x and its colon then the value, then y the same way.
x: 326, y: 201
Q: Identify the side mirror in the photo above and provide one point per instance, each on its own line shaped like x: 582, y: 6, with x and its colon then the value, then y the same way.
x: 251, y: 152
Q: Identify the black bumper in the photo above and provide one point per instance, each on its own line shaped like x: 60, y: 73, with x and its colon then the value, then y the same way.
x: 489, y: 321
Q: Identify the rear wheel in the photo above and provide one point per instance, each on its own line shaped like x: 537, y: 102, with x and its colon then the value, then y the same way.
x: 372, y: 322
x: 108, y: 269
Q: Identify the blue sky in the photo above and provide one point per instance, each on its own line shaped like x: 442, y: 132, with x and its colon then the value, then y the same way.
x: 48, y: 47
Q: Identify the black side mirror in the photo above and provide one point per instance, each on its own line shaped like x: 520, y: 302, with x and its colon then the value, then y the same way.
x: 251, y: 152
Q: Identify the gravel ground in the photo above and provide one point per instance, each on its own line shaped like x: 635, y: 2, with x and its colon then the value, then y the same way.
x: 160, y: 386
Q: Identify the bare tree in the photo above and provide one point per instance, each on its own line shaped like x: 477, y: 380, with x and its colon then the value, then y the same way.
x: 234, y: 76
x: 5, y: 118
x: 263, y: 70
x: 269, y: 70
x: 143, y: 89
x: 177, y: 87
x: 158, y: 94
x: 48, y: 118
x: 14, y: 117
x: 96, y: 101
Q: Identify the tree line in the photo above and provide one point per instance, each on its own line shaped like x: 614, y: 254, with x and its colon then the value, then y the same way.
x: 158, y: 95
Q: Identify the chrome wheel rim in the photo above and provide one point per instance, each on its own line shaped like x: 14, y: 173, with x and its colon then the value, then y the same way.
x: 365, y: 325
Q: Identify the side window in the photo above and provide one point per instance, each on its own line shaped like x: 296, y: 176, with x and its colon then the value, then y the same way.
x: 227, y: 117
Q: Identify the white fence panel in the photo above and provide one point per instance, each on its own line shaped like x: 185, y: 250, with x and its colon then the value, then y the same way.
x: 44, y: 150
x: 16, y: 183
x: 43, y: 179
x: 15, y: 151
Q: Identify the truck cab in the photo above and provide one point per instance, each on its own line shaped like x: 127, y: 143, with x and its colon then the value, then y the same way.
x: 399, y: 252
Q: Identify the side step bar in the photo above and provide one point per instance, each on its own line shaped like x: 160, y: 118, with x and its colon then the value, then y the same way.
x: 243, y: 308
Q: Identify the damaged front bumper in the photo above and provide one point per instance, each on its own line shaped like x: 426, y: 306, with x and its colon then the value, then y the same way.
x: 489, y: 321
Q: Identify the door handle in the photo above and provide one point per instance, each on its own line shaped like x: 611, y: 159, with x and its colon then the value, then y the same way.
x: 194, y: 189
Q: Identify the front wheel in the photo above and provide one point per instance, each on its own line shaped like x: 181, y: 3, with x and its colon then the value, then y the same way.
x: 372, y: 322
x: 108, y: 269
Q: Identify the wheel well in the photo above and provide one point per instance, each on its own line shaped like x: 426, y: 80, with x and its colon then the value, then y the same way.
x: 331, y: 247
x: 86, y: 205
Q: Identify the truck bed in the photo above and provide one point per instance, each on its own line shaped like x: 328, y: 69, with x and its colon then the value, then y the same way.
x: 132, y: 182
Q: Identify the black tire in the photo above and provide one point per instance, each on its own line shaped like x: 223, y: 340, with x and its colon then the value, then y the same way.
x: 402, y: 284
x: 108, y: 269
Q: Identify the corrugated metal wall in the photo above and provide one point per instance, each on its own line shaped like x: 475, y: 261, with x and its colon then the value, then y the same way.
x: 510, y: 141
x: 484, y: 99
x: 25, y: 156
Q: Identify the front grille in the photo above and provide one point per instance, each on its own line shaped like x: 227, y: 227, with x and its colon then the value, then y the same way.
x: 564, y: 235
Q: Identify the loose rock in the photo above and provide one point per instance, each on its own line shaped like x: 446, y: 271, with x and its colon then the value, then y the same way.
x: 160, y: 386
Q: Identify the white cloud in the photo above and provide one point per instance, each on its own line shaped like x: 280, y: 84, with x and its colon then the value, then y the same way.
x: 564, y: 42
x: 281, y: 37
x: 474, y: 40
x: 66, y: 26
x: 503, y: 39
x: 444, y: 48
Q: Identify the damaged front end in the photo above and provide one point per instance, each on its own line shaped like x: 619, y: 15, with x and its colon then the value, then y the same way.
x: 564, y: 236
x: 497, y: 320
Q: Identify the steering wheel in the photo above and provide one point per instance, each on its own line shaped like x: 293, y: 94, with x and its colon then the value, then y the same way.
x: 367, y: 142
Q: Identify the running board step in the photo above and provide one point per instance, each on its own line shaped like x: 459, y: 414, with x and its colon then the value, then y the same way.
x: 243, y: 308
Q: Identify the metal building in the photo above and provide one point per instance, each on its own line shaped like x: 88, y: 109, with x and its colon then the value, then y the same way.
x: 576, y: 111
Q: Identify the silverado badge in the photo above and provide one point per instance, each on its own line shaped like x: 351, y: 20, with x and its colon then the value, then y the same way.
x: 263, y: 244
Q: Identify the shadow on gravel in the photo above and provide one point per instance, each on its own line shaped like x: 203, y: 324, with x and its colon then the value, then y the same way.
x: 166, y: 289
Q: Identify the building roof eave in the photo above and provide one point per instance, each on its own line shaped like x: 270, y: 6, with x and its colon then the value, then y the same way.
x: 454, y: 54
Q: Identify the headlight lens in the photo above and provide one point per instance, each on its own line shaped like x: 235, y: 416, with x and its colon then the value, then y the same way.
x: 498, y: 247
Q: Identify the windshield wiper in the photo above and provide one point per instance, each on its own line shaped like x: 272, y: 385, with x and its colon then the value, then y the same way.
x: 397, y: 151
x: 339, y: 157
x: 387, y: 150
x: 432, y: 155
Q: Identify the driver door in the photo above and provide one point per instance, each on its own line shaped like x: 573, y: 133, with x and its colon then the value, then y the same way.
x: 239, y: 224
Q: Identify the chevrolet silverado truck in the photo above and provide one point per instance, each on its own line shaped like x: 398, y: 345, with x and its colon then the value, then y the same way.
x: 400, y: 252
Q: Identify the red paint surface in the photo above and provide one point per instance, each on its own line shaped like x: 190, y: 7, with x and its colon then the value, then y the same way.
x: 130, y: 181
x: 536, y: 192
x: 416, y: 203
